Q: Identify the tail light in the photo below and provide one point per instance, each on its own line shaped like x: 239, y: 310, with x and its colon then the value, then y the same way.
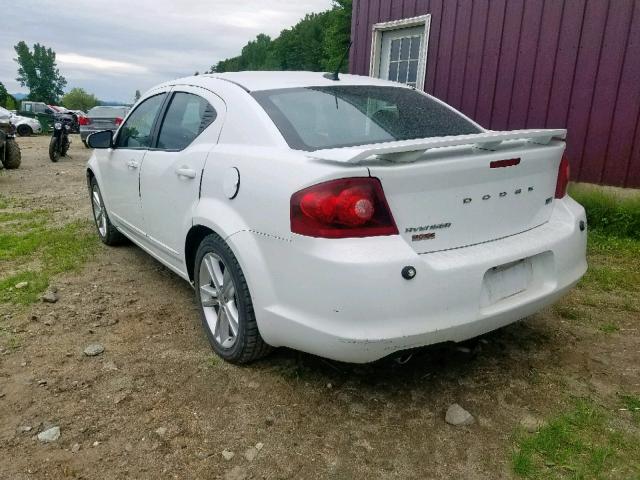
x: 84, y: 120
x: 348, y: 207
x: 563, y: 177
x: 118, y: 121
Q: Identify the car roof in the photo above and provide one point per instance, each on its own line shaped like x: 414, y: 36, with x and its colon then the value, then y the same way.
x: 267, y: 80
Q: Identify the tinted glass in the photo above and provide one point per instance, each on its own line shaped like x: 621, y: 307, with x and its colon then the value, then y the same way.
x: 137, y: 130
x: 187, y: 116
x: 330, y: 117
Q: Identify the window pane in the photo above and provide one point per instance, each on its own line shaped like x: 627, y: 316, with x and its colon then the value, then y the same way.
x: 187, y: 116
x: 333, y: 117
x: 402, y: 72
x: 404, y: 50
x: 415, y: 48
x: 395, y: 50
x: 136, y: 131
x: 413, y: 71
x: 393, y: 71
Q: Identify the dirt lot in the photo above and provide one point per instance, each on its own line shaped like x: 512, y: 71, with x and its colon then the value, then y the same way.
x: 158, y: 404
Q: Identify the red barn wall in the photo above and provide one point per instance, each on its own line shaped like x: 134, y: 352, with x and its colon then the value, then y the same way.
x: 512, y: 64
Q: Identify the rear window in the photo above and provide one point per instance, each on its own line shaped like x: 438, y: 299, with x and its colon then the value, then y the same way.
x: 315, y: 118
x: 107, y: 112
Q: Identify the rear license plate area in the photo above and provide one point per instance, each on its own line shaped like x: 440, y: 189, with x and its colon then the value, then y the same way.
x: 505, y: 281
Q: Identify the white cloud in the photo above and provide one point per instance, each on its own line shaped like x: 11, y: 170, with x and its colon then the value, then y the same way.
x: 83, y: 62
x: 116, y: 49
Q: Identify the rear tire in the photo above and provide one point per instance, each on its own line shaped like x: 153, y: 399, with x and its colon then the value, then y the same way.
x: 24, y: 130
x: 12, y: 155
x: 54, y: 153
x: 227, y: 293
x: 109, y: 235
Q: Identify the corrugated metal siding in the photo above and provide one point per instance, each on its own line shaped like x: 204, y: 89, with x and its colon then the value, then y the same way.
x: 511, y: 64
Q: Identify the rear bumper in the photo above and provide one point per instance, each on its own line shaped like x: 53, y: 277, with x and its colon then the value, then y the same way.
x: 346, y: 299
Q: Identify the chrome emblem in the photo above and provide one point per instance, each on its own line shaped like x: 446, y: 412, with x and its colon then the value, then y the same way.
x: 518, y: 191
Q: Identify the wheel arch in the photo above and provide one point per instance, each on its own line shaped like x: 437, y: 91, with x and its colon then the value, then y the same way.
x: 195, y: 235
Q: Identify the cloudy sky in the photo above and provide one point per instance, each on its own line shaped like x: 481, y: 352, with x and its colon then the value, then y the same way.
x: 113, y: 48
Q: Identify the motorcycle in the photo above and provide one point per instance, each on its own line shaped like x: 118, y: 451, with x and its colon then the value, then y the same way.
x: 60, y: 143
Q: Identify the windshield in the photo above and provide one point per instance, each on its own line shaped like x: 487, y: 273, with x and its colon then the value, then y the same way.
x: 330, y: 117
x: 107, y: 112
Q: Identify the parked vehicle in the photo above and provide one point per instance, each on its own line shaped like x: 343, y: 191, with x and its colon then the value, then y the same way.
x: 10, y: 157
x: 101, y: 118
x: 40, y: 111
x: 26, y: 126
x: 60, y: 142
x: 351, y: 218
x: 75, y: 123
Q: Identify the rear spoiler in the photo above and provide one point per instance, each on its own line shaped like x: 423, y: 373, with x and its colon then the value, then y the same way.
x: 411, y: 150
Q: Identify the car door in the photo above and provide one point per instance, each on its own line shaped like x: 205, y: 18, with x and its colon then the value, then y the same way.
x: 120, y: 168
x: 170, y: 175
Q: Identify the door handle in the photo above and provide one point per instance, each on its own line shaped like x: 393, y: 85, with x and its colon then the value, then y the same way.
x: 186, y: 172
x: 132, y: 164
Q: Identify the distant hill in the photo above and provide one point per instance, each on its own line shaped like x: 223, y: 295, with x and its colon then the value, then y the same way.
x: 19, y: 96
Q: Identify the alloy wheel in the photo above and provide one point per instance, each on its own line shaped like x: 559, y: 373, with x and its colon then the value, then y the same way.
x: 219, y: 300
x: 99, y: 213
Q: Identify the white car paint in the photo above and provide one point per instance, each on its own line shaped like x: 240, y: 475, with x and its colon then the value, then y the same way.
x: 346, y: 299
x: 33, y: 123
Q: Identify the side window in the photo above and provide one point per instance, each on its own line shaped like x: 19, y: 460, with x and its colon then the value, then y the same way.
x: 186, y: 118
x: 137, y: 130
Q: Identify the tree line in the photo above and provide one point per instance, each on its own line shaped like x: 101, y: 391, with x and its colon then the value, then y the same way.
x: 316, y: 43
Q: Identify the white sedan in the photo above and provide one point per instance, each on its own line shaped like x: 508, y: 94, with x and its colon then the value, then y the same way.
x: 352, y: 218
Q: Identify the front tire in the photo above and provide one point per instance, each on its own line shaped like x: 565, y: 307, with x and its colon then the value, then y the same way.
x: 108, y: 234
x: 66, y: 143
x: 225, y: 303
x: 24, y: 130
x: 54, y: 152
x: 12, y: 155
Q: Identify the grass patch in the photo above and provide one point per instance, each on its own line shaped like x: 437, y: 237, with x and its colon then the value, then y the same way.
x: 608, y: 327
x: 615, y: 215
x: 632, y: 403
x: 613, y: 264
x: 582, y: 443
x: 32, y: 234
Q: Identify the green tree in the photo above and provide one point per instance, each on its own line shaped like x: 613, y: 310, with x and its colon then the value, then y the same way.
x: 12, y: 103
x: 4, y: 95
x: 78, y: 99
x: 317, y: 43
x: 38, y: 72
x: 338, y: 35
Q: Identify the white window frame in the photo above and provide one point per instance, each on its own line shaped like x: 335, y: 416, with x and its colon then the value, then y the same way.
x: 376, y: 44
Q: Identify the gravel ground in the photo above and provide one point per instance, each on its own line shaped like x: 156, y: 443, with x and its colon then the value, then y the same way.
x: 157, y: 404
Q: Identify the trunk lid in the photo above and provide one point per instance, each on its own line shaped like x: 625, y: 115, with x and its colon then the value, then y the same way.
x: 460, y: 195
x: 103, y: 123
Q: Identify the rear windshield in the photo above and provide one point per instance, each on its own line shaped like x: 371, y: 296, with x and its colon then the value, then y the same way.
x: 107, y: 112
x: 330, y: 117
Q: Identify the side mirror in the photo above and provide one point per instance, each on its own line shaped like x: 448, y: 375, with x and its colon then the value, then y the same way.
x: 103, y: 139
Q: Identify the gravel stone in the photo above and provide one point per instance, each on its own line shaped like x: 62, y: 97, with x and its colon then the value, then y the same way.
x: 458, y: 416
x: 93, y: 350
x: 251, y: 453
x: 50, y: 435
x: 50, y: 297
x: 227, y: 454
